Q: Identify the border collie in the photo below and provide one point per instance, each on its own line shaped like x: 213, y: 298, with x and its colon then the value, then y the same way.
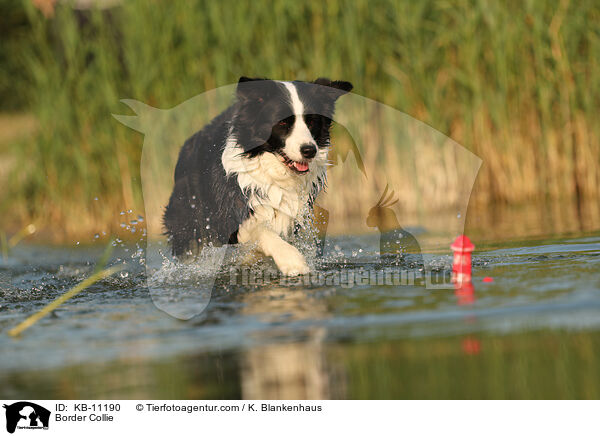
x: 251, y: 174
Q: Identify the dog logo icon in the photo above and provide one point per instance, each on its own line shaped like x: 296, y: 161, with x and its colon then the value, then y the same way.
x: 26, y: 415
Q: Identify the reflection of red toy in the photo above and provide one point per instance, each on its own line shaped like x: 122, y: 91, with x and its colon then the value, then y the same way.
x: 465, y: 293
x: 471, y: 345
x: 461, y: 265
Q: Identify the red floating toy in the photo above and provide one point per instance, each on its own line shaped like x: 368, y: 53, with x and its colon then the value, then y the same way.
x: 461, y: 265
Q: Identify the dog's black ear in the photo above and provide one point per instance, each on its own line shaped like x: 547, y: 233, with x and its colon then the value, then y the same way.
x: 338, y: 87
x: 248, y: 79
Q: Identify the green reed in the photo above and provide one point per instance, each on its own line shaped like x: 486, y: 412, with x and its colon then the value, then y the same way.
x: 516, y: 82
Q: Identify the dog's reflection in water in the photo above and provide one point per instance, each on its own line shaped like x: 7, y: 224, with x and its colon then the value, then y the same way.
x: 395, y: 244
x: 299, y: 369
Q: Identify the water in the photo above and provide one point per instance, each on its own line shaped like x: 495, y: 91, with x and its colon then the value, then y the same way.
x: 531, y: 333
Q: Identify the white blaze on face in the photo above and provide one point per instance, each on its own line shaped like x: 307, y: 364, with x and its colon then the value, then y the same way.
x: 300, y: 133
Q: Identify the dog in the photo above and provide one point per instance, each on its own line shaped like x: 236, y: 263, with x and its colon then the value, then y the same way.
x: 254, y: 171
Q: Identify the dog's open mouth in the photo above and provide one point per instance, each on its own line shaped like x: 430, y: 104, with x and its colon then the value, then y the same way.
x: 298, y: 167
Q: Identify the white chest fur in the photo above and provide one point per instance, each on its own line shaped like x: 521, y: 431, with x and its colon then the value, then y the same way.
x: 277, y: 196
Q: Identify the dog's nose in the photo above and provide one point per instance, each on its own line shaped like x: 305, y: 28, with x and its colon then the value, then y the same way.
x: 308, y: 151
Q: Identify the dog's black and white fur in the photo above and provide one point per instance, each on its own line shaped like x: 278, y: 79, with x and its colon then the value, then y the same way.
x: 248, y: 175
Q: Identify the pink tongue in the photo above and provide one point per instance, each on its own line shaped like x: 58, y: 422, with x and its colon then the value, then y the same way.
x: 300, y: 166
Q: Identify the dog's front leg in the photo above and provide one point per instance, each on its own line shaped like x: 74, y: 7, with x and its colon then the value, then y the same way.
x: 287, y: 257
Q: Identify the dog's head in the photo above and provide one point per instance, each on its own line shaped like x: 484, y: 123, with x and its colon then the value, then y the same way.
x: 288, y: 119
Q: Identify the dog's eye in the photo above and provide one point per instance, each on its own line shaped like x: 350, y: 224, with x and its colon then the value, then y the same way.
x: 282, y: 123
x: 311, y: 122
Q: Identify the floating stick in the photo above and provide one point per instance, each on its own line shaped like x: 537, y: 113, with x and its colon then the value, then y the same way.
x: 64, y: 297
x: 98, y: 274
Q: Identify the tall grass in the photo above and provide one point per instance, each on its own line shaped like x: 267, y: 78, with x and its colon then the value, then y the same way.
x: 518, y: 83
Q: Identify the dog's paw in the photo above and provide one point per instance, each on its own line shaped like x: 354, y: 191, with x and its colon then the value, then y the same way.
x: 290, y: 262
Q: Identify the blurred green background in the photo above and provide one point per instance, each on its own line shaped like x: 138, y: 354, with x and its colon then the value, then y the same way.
x: 516, y: 82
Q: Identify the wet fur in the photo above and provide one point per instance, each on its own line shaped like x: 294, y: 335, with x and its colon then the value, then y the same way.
x: 230, y: 183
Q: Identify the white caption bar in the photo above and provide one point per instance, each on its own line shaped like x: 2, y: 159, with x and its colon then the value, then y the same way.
x: 299, y: 417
